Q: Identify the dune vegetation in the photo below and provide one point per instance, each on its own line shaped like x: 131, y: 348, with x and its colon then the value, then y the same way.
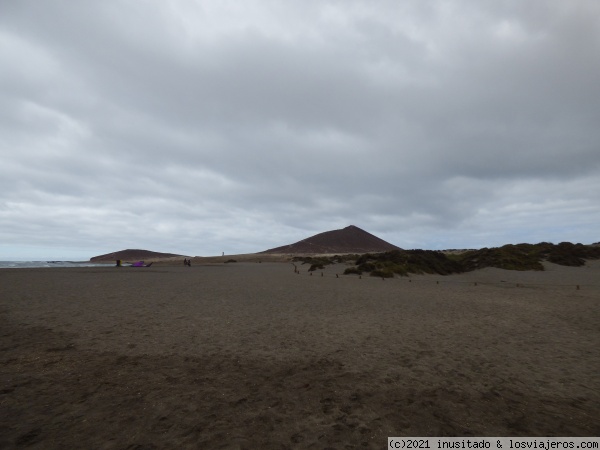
x: 509, y: 257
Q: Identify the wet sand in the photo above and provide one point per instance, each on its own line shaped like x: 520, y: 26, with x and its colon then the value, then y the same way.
x: 247, y: 355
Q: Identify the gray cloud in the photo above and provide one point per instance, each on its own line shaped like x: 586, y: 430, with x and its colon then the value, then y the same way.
x: 238, y: 126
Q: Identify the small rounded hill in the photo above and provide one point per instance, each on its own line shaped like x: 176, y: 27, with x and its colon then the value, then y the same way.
x: 132, y: 255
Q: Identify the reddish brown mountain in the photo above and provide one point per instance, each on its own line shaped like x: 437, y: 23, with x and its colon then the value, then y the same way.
x: 347, y: 240
x: 132, y: 255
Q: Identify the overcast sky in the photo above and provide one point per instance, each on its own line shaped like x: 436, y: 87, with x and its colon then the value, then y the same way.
x: 201, y: 127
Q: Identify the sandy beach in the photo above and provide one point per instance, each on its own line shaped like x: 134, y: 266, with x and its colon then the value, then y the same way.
x: 252, y: 355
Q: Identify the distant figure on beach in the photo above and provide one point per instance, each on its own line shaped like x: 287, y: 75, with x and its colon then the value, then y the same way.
x: 187, y: 262
x: 118, y: 263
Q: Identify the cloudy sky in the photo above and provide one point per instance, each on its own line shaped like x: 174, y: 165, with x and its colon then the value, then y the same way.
x: 201, y: 127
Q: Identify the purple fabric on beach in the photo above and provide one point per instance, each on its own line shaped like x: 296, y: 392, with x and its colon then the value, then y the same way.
x: 138, y: 264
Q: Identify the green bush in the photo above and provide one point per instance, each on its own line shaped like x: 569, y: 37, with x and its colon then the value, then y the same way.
x: 382, y: 273
x: 509, y: 257
x: 316, y: 266
x: 366, y: 267
x: 313, y: 260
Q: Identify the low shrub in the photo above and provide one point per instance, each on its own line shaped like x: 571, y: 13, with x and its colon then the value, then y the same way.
x: 382, y: 273
x: 509, y: 257
x: 367, y: 267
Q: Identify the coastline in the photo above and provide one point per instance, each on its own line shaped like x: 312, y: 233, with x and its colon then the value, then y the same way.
x: 50, y: 264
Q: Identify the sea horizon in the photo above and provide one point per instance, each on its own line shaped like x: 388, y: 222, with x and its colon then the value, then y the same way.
x: 32, y: 264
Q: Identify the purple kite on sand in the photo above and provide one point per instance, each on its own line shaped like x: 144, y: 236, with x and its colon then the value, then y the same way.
x: 140, y: 264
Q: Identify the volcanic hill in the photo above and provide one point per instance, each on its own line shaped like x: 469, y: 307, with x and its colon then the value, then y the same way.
x: 132, y: 255
x: 347, y: 240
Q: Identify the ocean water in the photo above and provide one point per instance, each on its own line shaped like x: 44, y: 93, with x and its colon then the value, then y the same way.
x: 35, y: 264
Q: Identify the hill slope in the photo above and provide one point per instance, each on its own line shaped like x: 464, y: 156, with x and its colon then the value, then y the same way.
x: 347, y: 240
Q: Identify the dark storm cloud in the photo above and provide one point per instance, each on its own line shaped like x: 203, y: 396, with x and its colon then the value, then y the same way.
x: 238, y: 126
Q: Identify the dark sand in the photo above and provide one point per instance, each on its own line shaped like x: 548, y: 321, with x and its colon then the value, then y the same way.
x: 248, y: 356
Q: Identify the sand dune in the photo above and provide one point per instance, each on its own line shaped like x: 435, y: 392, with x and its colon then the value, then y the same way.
x: 253, y: 355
